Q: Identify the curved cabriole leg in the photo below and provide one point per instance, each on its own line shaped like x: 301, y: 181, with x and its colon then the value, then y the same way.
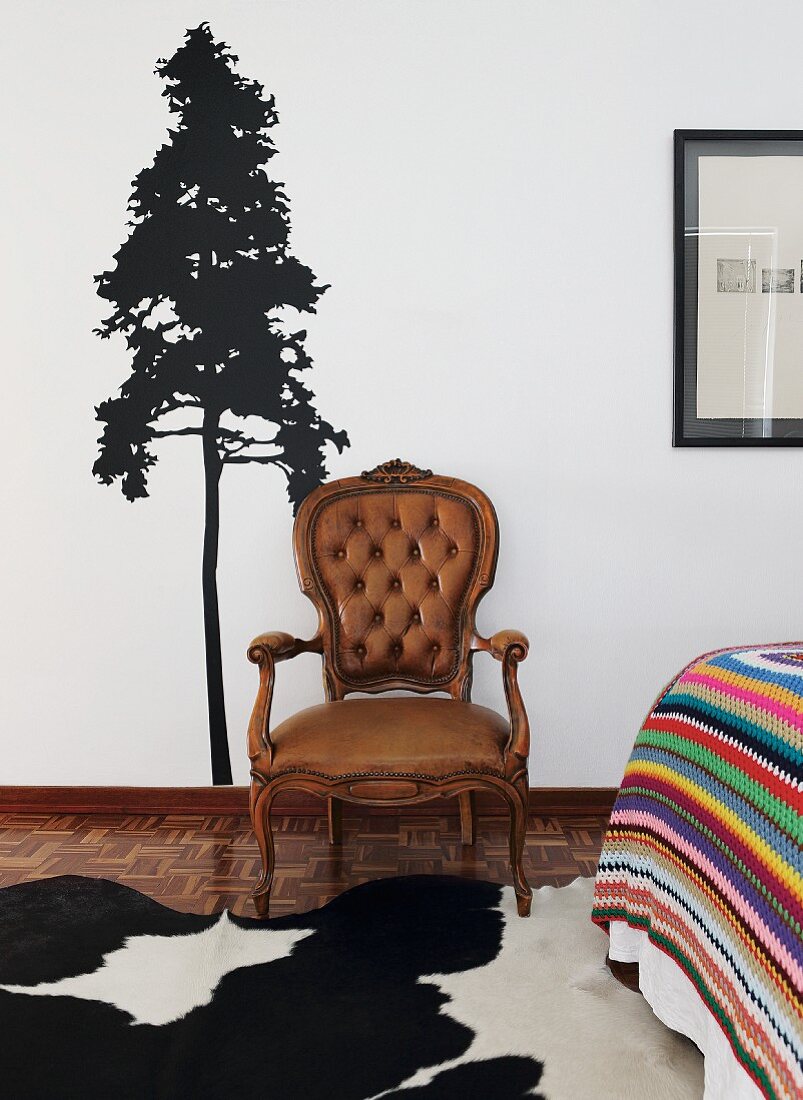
x: 261, y: 799
x: 518, y: 802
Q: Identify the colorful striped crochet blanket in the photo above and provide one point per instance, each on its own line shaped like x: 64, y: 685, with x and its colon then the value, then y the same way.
x: 703, y: 852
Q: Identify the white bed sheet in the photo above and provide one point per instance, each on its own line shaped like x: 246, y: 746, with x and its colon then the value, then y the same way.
x: 675, y: 1001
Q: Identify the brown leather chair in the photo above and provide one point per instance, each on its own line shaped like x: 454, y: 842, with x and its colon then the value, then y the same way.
x: 395, y: 561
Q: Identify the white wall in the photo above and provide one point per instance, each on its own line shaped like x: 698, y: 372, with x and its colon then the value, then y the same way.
x: 488, y: 188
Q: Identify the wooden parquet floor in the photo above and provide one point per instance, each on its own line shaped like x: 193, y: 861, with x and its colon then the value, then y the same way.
x: 205, y: 864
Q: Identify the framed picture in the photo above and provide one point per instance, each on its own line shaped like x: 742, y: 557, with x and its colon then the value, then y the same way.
x: 738, y: 288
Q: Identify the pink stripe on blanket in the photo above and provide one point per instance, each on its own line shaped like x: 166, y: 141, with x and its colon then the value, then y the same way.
x: 763, y: 934
x: 764, y: 702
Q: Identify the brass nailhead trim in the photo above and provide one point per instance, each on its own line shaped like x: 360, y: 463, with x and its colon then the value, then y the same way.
x: 388, y: 775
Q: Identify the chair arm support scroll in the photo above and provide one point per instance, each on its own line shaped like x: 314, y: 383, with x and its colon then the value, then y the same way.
x: 511, y: 647
x: 265, y: 651
x: 500, y: 642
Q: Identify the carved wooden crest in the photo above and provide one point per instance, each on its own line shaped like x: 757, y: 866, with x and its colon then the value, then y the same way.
x: 394, y: 471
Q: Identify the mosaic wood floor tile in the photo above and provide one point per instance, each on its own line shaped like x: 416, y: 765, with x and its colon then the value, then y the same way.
x: 205, y: 864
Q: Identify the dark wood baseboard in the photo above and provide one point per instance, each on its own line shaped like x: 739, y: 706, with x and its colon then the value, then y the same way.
x: 234, y: 800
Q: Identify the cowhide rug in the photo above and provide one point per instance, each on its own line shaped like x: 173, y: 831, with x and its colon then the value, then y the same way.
x: 424, y: 988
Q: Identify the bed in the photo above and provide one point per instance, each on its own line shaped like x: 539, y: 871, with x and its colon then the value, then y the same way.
x: 699, y: 880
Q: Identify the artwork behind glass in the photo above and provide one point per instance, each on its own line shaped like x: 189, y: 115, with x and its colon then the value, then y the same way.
x: 739, y: 288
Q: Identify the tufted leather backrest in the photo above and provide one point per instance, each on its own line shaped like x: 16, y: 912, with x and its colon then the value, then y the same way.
x: 396, y: 562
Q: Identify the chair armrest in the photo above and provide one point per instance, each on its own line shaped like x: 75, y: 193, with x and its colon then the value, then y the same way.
x: 282, y: 647
x: 500, y: 642
x: 510, y: 647
x: 264, y: 651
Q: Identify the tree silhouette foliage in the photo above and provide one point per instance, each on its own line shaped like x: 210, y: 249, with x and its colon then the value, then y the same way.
x: 199, y: 291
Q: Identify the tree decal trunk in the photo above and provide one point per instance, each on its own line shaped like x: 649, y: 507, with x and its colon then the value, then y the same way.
x: 200, y: 291
x: 218, y: 734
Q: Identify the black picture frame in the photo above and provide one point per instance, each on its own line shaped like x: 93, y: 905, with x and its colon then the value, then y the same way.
x: 688, y: 429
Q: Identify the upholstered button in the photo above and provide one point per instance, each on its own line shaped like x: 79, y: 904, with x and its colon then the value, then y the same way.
x: 453, y: 551
x: 361, y: 650
x: 435, y: 521
x: 377, y: 618
x: 359, y: 586
x: 433, y: 584
x: 396, y: 583
x: 416, y: 618
x: 396, y: 650
x: 377, y: 553
x: 358, y: 523
x: 436, y: 648
x: 395, y: 523
x: 341, y: 554
x: 416, y: 552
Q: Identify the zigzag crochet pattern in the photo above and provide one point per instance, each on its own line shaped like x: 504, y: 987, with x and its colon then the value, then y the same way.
x: 703, y: 852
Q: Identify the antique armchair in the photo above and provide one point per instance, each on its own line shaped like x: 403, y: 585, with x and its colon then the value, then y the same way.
x: 395, y: 561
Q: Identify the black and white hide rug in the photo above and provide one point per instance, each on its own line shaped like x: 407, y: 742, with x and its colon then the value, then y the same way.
x: 423, y: 988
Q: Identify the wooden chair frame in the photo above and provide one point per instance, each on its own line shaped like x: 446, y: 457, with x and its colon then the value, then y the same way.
x: 509, y: 647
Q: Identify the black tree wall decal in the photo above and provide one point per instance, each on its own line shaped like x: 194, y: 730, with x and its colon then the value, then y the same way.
x: 196, y: 290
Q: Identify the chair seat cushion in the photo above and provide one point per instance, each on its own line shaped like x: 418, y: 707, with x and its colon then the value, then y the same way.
x: 430, y: 738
